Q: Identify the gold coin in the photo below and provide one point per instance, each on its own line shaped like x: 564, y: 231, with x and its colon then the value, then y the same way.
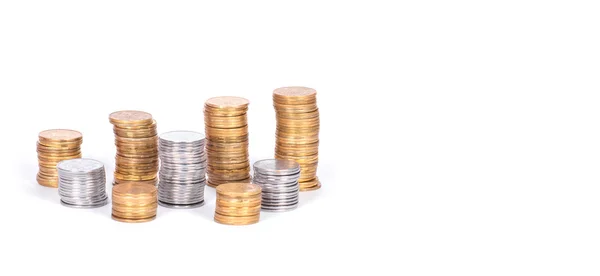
x: 237, y: 211
x: 130, y: 118
x: 227, y: 147
x: 234, y: 166
x: 236, y: 220
x: 304, y: 108
x: 310, y: 185
x: 152, y: 182
x: 142, y: 127
x: 226, y: 133
x: 61, y: 147
x: 133, y: 188
x: 60, y: 135
x: 133, y: 220
x: 227, y: 102
x: 225, y: 122
x: 130, y: 177
x: 227, y: 177
x: 215, y: 182
x: 239, y: 189
x: 135, y: 134
x: 48, y: 171
x: 136, y: 141
x: 296, y: 116
x: 57, y: 156
x: 48, y: 182
x: 238, y: 202
x: 249, y: 200
x: 295, y: 92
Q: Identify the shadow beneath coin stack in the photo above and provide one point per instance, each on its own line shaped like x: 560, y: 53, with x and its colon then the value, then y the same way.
x: 28, y: 173
x: 207, y: 211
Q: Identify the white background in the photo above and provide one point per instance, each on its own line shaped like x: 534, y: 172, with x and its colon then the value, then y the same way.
x: 457, y: 137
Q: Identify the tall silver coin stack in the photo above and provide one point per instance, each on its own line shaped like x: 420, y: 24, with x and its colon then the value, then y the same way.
x: 182, y: 174
x: 82, y: 183
x: 279, y: 181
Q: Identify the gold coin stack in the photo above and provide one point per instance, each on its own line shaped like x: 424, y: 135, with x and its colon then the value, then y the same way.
x: 53, y: 146
x: 238, y: 203
x: 297, y: 134
x: 137, y: 147
x: 134, y: 202
x: 226, y: 140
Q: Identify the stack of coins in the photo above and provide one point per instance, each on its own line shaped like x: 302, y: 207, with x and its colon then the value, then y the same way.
x: 53, y: 146
x: 279, y: 182
x: 82, y: 183
x: 227, y: 140
x: 297, y: 135
x: 182, y: 174
x: 134, y: 202
x: 238, y: 203
x: 137, y: 147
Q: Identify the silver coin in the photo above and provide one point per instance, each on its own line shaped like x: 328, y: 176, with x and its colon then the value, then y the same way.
x: 276, y: 167
x: 279, y: 208
x: 182, y: 136
x: 182, y: 173
x: 82, y: 183
x: 279, y: 182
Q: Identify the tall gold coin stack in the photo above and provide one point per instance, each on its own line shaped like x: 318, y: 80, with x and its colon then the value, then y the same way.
x: 134, y: 202
x: 137, y: 147
x: 226, y: 140
x: 53, y: 146
x: 297, y: 134
x: 238, y: 203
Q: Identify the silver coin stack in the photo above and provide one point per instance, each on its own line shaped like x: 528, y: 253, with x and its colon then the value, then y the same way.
x: 279, y: 181
x: 82, y: 183
x: 182, y: 174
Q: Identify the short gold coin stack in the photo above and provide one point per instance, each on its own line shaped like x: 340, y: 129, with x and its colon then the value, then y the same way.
x: 238, y: 203
x: 226, y: 140
x: 137, y: 147
x: 297, y: 134
x: 134, y: 202
x: 53, y: 146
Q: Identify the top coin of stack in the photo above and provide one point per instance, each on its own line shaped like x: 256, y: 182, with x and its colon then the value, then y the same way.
x: 137, y: 147
x: 227, y: 140
x: 53, y: 146
x: 297, y: 135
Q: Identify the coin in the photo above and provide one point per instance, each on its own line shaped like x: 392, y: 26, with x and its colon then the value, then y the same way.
x: 238, y: 203
x: 54, y: 146
x: 182, y: 175
x: 297, y: 131
x: 224, y: 102
x: 134, y: 202
x: 239, y: 189
x: 226, y: 127
x: 82, y: 183
x: 279, y: 180
x: 60, y: 135
x: 130, y: 118
x: 294, y: 95
x: 137, y: 146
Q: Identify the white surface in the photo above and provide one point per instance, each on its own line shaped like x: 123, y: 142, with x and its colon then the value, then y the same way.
x: 458, y: 137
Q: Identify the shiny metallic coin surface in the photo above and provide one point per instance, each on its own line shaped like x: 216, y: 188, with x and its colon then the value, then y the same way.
x: 279, y: 180
x: 182, y: 174
x: 82, y: 183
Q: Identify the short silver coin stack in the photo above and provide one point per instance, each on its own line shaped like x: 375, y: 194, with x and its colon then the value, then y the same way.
x: 82, y: 183
x: 182, y: 174
x: 279, y: 182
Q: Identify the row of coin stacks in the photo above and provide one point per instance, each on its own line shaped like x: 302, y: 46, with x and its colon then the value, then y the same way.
x: 191, y: 160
